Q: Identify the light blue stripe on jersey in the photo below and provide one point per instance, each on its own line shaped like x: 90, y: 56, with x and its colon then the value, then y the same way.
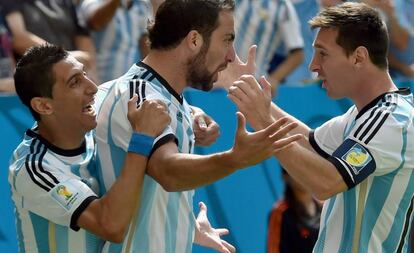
x: 40, y: 224
x: 61, y: 235
x: 349, y: 215
x: 144, y: 213
x: 399, y: 219
x: 172, y: 221
x: 190, y: 233
x: 320, y: 243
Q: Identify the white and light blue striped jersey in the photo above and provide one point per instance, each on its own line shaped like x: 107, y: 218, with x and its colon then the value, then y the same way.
x: 373, y: 150
x: 166, y: 221
x: 266, y: 23
x: 117, y: 44
x: 50, y: 188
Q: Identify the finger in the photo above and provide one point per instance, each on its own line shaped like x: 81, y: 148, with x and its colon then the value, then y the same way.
x: 286, y: 142
x: 201, y: 123
x: 230, y: 247
x: 222, y: 231
x: 132, y: 103
x: 284, y: 130
x: 251, y: 82
x: 241, y: 123
x: 274, y: 127
x: 238, y: 92
x: 266, y: 86
x: 203, y: 208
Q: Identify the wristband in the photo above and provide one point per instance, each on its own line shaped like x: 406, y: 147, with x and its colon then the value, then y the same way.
x: 140, y: 144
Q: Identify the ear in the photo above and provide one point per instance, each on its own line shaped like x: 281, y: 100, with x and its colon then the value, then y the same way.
x: 194, y: 41
x: 361, y: 56
x: 42, y: 105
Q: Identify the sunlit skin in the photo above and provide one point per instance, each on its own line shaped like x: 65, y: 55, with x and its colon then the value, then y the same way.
x: 70, y: 108
x: 203, y: 69
x: 334, y: 68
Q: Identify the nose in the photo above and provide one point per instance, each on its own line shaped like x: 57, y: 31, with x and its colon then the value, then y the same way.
x: 314, y: 65
x: 231, y: 54
x: 92, y: 88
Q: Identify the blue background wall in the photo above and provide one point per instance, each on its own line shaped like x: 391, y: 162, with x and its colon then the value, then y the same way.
x: 240, y: 202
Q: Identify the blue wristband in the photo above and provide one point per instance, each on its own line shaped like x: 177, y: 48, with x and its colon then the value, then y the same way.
x: 140, y: 144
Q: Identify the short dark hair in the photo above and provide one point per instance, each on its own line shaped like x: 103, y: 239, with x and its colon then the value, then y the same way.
x: 176, y: 18
x: 34, y: 76
x: 358, y: 25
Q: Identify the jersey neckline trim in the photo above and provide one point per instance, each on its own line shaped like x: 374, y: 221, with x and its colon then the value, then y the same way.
x: 55, y: 149
x: 401, y: 91
x: 162, y: 81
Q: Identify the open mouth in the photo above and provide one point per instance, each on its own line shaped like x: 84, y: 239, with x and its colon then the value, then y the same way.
x: 89, y: 109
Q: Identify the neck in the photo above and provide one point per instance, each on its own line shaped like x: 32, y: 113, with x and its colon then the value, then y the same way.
x: 170, y: 66
x: 63, y: 138
x: 371, y: 86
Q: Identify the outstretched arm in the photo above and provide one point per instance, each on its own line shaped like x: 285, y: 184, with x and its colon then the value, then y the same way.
x: 177, y: 171
x: 314, y: 172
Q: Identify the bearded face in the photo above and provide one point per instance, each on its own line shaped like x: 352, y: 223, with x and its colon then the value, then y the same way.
x: 198, y: 76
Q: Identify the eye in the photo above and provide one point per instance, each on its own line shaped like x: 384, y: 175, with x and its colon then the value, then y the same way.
x: 75, y: 82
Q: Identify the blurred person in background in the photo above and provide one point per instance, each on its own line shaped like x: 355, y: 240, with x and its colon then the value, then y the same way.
x: 6, y: 57
x: 119, y: 32
x: 294, y: 220
x: 35, y: 22
x: 267, y: 24
x: 400, y: 21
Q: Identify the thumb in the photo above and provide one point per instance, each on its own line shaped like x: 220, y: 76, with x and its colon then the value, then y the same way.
x: 266, y: 86
x: 132, y: 103
x: 241, y: 123
x: 201, y: 122
x: 203, y: 210
x: 251, y: 58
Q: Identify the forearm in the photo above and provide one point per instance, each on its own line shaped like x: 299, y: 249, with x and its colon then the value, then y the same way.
x: 316, y: 174
x: 22, y: 39
x: 292, y: 61
x: 119, y: 204
x: 7, y: 85
x: 103, y: 14
x: 302, y: 128
x: 398, y: 35
x: 405, y: 69
x: 180, y: 172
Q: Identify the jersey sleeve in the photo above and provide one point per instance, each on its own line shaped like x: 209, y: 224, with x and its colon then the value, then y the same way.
x: 327, y: 138
x: 51, y: 193
x: 375, y: 145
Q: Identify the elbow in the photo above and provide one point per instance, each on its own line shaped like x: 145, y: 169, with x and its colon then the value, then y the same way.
x: 323, y: 192
x: 113, y: 232
x: 170, y: 185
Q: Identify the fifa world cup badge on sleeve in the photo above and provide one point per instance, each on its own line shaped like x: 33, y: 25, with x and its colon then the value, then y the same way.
x: 357, y: 157
x: 66, y: 194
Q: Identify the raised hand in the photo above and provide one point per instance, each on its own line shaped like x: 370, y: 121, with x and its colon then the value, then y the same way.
x: 206, y: 130
x: 252, y: 148
x: 150, y: 118
x: 208, y: 236
x: 236, y: 69
x: 253, y: 100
